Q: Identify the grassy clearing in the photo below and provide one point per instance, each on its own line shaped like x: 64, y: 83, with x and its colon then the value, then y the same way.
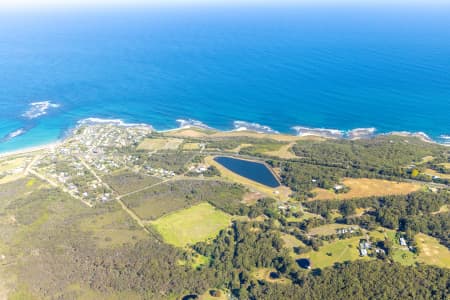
x: 442, y: 209
x: 11, y: 170
x: 189, y: 226
x: 112, y: 229
x: 281, y: 192
x: 127, y: 181
x: 201, y: 133
x: 160, y: 144
x: 432, y: 252
x: 207, y: 295
x: 168, y: 197
x: 291, y: 241
x: 284, y: 152
x: 251, y: 197
x: 426, y: 159
x: 305, y: 216
x: 431, y: 172
x: 239, y: 148
x: 336, y: 251
x: 329, y: 229
x: 364, y: 187
x: 264, y: 274
x: 445, y: 165
x: 191, y: 146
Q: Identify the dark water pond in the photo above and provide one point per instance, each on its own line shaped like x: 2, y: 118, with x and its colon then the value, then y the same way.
x: 249, y: 169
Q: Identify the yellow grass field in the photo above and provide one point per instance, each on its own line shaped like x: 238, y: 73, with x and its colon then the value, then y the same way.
x: 264, y: 274
x: 160, y: 144
x: 197, y: 133
x: 189, y: 226
x: 432, y: 252
x: 284, y: 152
x: 446, y: 165
x: 442, y: 209
x: 191, y: 146
x: 364, y: 187
x: 239, y: 148
x: 12, y: 169
x: 434, y: 173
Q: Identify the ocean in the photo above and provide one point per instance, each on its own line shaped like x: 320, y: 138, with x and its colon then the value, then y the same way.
x: 272, y: 68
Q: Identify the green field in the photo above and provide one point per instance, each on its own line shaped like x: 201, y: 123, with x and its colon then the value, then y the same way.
x: 432, y: 252
x: 172, y: 196
x: 192, y: 225
x: 340, y: 250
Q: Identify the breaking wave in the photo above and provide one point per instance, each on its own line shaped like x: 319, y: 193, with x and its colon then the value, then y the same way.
x: 247, y: 126
x: 38, y: 109
x: 188, y: 123
x: 13, y: 134
x: 116, y: 122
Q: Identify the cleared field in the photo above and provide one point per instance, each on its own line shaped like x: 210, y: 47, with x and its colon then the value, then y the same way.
x: 446, y: 165
x: 329, y: 229
x: 11, y: 170
x: 197, y: 133
x: 336, y: 251
x: 432, y: 252
x: 264, y: 274
x: 281, y: 192
x: 168, y: 197
x: 427, y: 159
x: 442, y: 209
x: 189, y: 226
x: 112, y: 229
x: 128, y: 181
x: 291, y: 241
x: 191, y: 146
x: 434, y: 173
x: 207, y: 295
x: 160, y: 144
x: 284, y: 152
x: 240, y: 147
x: 364, y: 187
x: 305, y: 216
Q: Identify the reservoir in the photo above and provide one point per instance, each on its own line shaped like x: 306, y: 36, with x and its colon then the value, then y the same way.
x: 255, y: 171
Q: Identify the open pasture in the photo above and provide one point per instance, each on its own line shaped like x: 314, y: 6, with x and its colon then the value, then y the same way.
x: 365, y: 187
x: 189, y: 226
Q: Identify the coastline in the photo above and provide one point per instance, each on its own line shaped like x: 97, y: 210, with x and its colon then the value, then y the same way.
x: 239, y: 127
x: 31, y: 149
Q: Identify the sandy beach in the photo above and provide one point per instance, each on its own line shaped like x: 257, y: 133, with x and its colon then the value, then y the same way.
x: 31, y: 149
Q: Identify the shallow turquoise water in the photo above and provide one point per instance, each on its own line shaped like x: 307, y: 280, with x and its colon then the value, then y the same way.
x: 341, y: 68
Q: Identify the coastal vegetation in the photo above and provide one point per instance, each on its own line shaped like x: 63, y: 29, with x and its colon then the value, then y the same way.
x: 125, y: 212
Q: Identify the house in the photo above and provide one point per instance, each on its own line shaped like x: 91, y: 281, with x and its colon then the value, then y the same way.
x: 363, y: 247
x: 338, y: 187
x: 403, y: 242
x: 363, y: 252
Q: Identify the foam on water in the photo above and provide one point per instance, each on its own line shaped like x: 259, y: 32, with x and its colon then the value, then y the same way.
x: 248, y: 126
x: 38, y: 109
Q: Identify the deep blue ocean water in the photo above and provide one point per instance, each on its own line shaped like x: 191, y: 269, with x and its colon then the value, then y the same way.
x: 344, y: 68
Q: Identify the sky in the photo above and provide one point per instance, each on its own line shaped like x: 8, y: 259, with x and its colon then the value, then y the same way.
x: 80, y: 3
